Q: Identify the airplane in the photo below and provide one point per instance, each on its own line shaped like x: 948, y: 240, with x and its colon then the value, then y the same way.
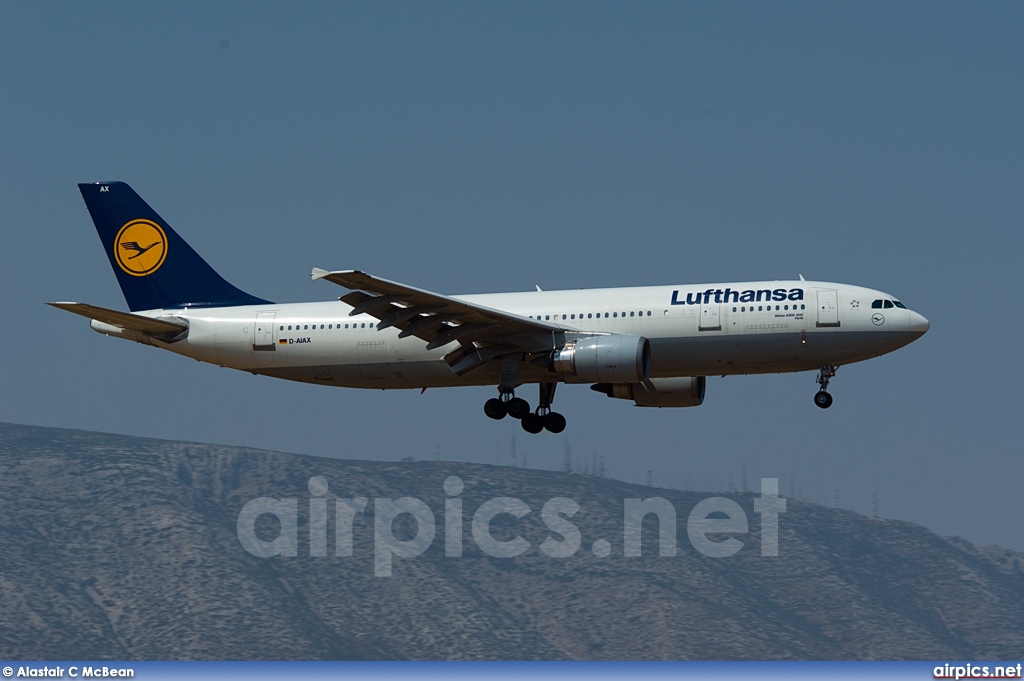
x: 652, y: 345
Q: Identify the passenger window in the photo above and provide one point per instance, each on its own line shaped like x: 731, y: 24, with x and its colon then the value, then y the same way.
x: 759, y: 308
x: 606, y: 315
x: 632, y: 313
x: 734, y: 309
x: 648, y: 313
x: 563, y: 316
x: 282, y: 327
x: 888, y: 304
x: 615, y: 314
x: 590, y: 315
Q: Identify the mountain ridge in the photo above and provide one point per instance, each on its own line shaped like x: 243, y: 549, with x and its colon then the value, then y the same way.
x: 119, y: 547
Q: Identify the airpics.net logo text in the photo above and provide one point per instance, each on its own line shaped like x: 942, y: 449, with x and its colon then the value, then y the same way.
x: 716, y: 516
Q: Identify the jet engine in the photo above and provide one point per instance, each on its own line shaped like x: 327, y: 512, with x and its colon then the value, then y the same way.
x: 610, y: 359
x: 687, y: 391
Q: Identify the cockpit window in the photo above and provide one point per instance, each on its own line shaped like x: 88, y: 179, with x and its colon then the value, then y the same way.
x: 899, y: 305
x: 876, y: 304
x: 888, y: 304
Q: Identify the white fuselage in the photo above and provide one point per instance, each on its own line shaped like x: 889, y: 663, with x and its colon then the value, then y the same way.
x: 695, y: 330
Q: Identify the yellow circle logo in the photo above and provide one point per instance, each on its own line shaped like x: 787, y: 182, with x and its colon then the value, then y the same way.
x: 140, y: 248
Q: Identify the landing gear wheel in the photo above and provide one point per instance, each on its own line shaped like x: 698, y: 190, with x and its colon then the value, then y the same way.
x: 822, y: 398
x: 553, y: 422
x: 533, y: 424
x: 495, y: 408
x: 517, y: 407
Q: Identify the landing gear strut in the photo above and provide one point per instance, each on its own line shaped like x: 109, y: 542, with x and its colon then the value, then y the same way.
x: 507, y: 404
x: 822, y: 398
x: 544, y: 418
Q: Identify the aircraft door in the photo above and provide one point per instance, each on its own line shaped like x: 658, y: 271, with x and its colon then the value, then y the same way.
x: 710, y: 317
x: 263, y: 332
x: 828, y: 308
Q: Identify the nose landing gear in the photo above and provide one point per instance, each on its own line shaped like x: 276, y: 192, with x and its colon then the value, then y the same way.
x: 822, y: 398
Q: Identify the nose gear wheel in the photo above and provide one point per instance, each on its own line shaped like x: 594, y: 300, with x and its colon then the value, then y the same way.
x: 822, y: 398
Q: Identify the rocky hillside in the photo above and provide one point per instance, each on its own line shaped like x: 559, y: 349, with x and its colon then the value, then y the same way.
x: 122, y: 547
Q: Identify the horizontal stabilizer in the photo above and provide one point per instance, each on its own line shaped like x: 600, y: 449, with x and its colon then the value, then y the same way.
x: 124, y: 320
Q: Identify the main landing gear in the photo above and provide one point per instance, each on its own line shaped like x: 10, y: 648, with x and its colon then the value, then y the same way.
x: 822, y: 398
x: 507, y: 404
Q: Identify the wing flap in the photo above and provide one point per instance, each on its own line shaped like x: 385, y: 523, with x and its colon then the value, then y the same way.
x: 435, y: 318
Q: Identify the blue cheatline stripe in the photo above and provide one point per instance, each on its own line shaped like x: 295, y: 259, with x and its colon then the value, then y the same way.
x: 534, y: 671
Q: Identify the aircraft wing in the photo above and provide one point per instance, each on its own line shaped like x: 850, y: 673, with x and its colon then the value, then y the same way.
x: 482, y: 332
x: 124, y: 320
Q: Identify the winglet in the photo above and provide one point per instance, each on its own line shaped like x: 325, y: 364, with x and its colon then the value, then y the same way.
x: 318, y: 273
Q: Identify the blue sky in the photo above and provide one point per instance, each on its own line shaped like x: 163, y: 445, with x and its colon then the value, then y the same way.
x: 485, y: 147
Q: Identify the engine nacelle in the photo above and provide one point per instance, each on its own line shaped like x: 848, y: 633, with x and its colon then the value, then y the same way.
x: 687, y: 391
x: 606, y: 359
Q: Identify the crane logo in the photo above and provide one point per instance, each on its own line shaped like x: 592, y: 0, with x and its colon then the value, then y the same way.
x: 140, y: 248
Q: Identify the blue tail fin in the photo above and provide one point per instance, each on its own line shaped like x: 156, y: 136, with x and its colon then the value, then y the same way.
x: 154, y: 266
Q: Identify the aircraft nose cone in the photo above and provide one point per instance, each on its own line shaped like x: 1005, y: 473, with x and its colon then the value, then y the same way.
x: 918, y: 324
